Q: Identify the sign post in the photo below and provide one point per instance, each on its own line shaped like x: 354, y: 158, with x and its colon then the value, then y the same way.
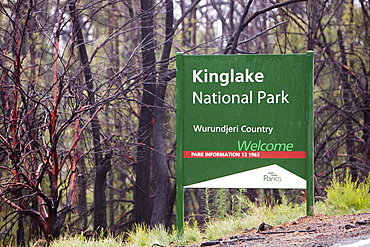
x: 244, y: 121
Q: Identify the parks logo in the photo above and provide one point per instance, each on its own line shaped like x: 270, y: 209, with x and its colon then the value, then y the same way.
x: 271, y: 177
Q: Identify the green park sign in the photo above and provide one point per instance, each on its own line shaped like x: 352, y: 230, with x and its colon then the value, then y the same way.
x: 244, y: 121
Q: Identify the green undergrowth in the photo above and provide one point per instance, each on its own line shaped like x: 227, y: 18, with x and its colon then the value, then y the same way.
x: 81, y: 241
x: 343, y: 197
x: 346, y: 197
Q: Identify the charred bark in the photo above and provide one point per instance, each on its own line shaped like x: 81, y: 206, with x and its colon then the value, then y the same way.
x: 160, y: 170
x: 347, y: 109
x: 143, y: 206
x: 102, y: 166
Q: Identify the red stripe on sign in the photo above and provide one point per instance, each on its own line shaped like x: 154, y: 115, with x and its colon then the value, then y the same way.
x: 246, y: 154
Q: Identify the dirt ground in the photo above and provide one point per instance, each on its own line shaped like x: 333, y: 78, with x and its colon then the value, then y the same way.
x: 318, y: 230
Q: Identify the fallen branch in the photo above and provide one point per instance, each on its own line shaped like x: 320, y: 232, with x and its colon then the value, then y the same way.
x: 283, y: 232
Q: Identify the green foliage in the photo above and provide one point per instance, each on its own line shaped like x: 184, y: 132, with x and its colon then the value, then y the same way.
x: 81, y: 241
x: 222, y: 203
x: 142, y: 236
x: 217, y: 228
x: 191, y: 234
x: 226, y: 226
x: 207, y: 206
x: 347, y: 195
x: 239, y: 203
x: 276, y: 215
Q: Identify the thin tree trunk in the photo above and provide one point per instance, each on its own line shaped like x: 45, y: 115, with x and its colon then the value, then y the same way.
x: 82, y: 202
x: 314, y: 9
x: 160, y: 171
x: 142, y: 186
x: 114, y: 64
x: 193, y: 38
x: 348, y: 111
x: 102, y: 166
x: 20, y: 233
x: 170, y: 204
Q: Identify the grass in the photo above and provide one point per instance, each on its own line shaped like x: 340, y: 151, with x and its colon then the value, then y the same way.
x: 81, y: 241
x: 345, y: 197
x: 224, y: 226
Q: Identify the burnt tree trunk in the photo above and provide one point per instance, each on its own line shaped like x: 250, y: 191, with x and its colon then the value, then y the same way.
x: 102, y: 166
x: 348, y: 109
x: 82, y: 202
x: 160, y: 171
x: 143, y: 206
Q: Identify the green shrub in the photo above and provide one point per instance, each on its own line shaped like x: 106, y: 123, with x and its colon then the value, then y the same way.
x: 349, y: 196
